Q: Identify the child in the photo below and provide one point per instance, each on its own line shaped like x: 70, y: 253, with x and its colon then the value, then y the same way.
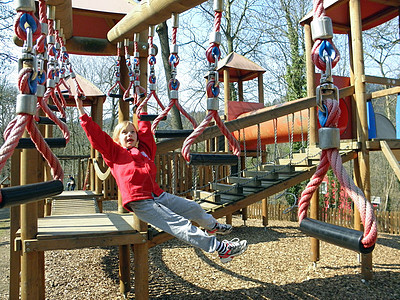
x: 130, y: 156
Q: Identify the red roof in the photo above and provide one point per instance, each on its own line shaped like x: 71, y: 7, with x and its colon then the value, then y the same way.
x: 373, y: 13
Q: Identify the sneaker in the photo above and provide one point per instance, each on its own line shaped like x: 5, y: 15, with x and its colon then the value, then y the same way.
x: 222, y: 229
x: 235, y: 248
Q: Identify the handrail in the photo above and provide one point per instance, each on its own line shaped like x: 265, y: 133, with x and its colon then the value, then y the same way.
x: 252, y: 118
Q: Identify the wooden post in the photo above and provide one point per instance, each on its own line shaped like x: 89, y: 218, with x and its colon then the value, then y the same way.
x: 260, y: 87
x: 227, y: 95
x: 29, y: 227
x: 123, y: 113
x: 361, y: 122
x: 314, y: 202
x: 263, y: 157
x: 97, y: 116
x: 15, y: 258
x: 141, y: 251
x: 240, y: 90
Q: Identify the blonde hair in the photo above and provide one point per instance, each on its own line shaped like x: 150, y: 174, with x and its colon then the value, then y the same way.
x: 121, y: 126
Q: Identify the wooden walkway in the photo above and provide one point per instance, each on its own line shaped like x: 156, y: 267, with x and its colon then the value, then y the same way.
x: 75, y: 202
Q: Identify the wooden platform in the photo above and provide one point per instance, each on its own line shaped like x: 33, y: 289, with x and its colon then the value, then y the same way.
x: 82, y: 231
x: 75, y: 202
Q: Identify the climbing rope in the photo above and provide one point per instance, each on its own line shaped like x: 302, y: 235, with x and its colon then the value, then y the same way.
x: 331, y: 157
x: 329, y: 134
x: 138, y: 92
x: 213, y: 54
x: 152, y: 75
x: 27, y: 27
x: 117, y: 73
x: 323, y: 44
x: 173, y: 85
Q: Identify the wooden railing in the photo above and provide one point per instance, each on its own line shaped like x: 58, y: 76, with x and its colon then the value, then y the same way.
x: 388, y: 222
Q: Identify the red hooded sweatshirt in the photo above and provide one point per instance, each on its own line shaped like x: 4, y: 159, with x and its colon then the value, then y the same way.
x: 133, y: 169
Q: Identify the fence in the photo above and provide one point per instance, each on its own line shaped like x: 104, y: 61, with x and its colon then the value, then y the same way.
x: 388, y: 222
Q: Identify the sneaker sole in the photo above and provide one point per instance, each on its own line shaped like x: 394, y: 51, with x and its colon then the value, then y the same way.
x: 230, y: 257
x: 220, y: 233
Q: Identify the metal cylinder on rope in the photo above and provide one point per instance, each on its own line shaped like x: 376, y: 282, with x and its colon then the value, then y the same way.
x: 173, y: 84
x: 327, y: 96
x: 213, y: 54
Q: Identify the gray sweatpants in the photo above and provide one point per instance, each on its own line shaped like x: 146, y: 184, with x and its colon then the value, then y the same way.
x: 173, y: 215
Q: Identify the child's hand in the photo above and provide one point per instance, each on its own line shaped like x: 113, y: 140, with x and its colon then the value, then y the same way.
x: 79, y: 106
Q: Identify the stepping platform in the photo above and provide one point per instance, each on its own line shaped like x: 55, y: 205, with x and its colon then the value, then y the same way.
x: 82, y: 231
x: 75, y: 202
x: 172, y: 133
x: 150, y: 118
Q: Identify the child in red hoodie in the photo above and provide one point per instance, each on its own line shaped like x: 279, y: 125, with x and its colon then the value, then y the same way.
x: 130, y: 156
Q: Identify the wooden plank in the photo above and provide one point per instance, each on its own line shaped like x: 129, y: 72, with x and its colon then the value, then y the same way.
x: 77, y: 206
x: 381, y: 80
x: 79, y: 194
x: 245, y: 181
x: 261, y: 175
x: 393, y: 162
x: 227, y: 188
x: 84, y: 225
x: 198, y: 194
x: 374, y: 145
x: 383, y: 93
x: 277, y: 168
x: 84, y: 242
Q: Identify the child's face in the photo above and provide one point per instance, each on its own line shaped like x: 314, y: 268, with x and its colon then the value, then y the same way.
x: 128, y: 137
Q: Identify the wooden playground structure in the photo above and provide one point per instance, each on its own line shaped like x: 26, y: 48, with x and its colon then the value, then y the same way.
x: 35, y: 225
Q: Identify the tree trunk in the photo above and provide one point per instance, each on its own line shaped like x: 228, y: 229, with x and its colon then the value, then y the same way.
x: 162, y: 31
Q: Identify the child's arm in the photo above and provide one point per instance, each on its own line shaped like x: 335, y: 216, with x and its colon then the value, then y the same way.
x: 100, y: 140
x: 146, y: 139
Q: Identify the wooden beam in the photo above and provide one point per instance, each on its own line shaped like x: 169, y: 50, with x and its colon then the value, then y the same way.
x: 380, y: 15
x: 391, y: 158
x: 394, y: 3
x: 374, y: 145
x: 77, y: 242
x: 383, y: 93
x: 148, y: 13
x: 381, y: 80
x: 250, y: 119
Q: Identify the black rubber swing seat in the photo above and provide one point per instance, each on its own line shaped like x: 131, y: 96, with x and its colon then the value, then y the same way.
x: 48, y: 121
x: 212, y: 159
x: 337, y: 235
x: 17, y: 195
x: 150, y: 118
x: 119, y: 96
x: 26, y: 143
x: 172, y: 133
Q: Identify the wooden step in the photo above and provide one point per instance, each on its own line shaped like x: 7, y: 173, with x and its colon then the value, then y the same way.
x: 172, y: 133
x: 227, y: 188
x: 150, y: 117
x: 74, y: 207
x: 277, y: 168
x: 82, y: 231
x: 261, y: 174
x: 252, y: 189
x: 230, y: 197
x: 213, y: 197
x: 244, y: 181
